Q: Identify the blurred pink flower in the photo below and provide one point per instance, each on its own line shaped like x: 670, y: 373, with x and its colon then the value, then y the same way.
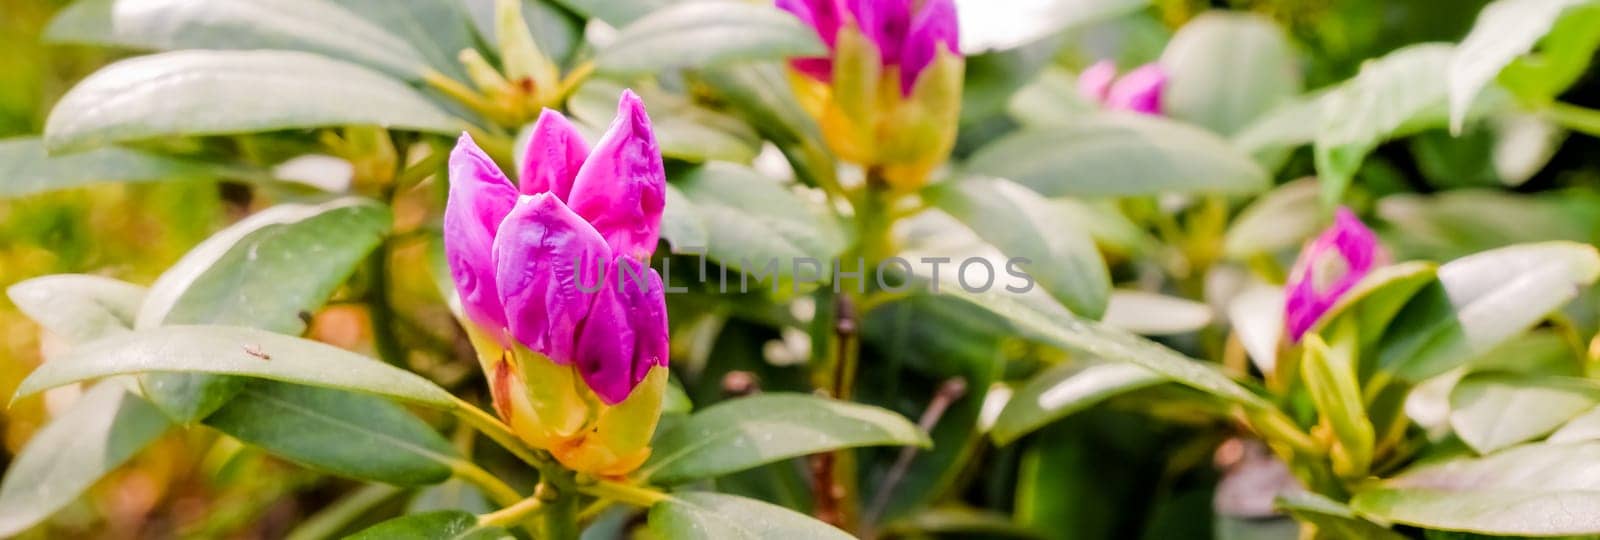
x: 1138, y: 90
x: 1328, y: 267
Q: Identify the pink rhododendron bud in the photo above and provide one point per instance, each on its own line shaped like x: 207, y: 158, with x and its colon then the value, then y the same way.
x: 1328, y: 267
x: 888, y: 95
x: 1138, y: 91
x: 556, y: 288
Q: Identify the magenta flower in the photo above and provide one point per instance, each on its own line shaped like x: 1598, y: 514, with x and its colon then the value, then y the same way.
x: 560, y: 267
x: 1138, y: 90
x: 1328, y: 267
x: 906, y: 37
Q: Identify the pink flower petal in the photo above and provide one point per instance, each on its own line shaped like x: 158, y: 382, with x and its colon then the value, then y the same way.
x: 555, y: 152
x: 547, y: 262
x: 480, y: 198
x: 621, y: 188
x: 1328, y: 267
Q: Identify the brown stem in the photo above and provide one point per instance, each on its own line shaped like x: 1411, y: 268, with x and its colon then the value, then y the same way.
x: 952, y: 390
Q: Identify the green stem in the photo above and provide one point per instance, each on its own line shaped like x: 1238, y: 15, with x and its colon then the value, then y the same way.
x: 1575, y: 118
x: 640, y: 496
x: 560, y: 518
x: 328, y: 522
x: 513, y: 515
x: 384, y: 338
x: 497, y: 490
x: 497, y: 431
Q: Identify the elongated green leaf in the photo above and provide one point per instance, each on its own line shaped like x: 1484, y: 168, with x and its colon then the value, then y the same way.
x: 188, y: 93
x: 760, y: 93
x: 555, y: 31
x: 681, y: 225
x: 1152, y: 314
x: 263, y: 272
x: 1398, y: 94
x: 617, y: 13
x: 1333, y: 520
x: 1329, y: 372
x: 1063, y: 390
x: 737, y: 435
x: 702, y: 34
x: 1505, y: 30
x: 440, y: 525
x: 684, y: 130
x: 232, y: 350
x: 342, y: 513
x: 1455, y: 223
x: 77, y: 307
x: 756, y: 225
x: 1490, y: 411
x: 26, y: 169
x: 1062, y: 329
x: 104, y: 428
x: 314, y: 26
x: 1481, y: 300
x: 1535, y: 490
x: 1585, y: 427
x: 1282, y: 219
x: 1020, y: 223
x: 1226, y: 69
x: 355, y: 435
x: 714, y: 516
x: 1566, y: 51
x: 1120, y: 154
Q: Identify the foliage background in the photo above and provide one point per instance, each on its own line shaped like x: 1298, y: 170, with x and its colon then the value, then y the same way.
x: 1107, y: 473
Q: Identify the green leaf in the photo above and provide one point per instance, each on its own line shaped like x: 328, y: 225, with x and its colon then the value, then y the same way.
x: 1536, y: 490
x: 1585, y: 427
x: 557, y: 32
x: 440, y: 525
x: 98, y: 433
x: 354, y: 435
x: 761, y: 94
x: 263, y: 272
x: 1283, y: 127
x: 617, y: 13
x: 1491, y: 411
x: 1565, y: 53
x: 702, y: 34
x: 681, y: 225
x: 341, y: 514
x: 1480, y: 301
x: 1063, y: 390
x: 1279, y: 220
x: 1375, y: 300
x: 200, y: 92
x: 740, y: 434
x: 1062, y: 258
x: 313, y: 26
x: 1062, y: 329
x: 26, y: 169
x: 1398, y: 94
x: 684, y: 130
x: 1154, y: 314
x: 704, y: 515
x: 1505, y: 30
x: 1226, y: 69
x: 962, y: 521
x: 231, y: 350
x: 758, y: 226
x: 1329, y: 373
x: 78, y: 307
x: 1454, y: 223
x: 1120, y: 154
x: 1333, y: 520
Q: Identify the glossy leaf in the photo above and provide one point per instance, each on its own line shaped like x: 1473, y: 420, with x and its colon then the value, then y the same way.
x: 1534, y: 490
x: 1491, y: 411
x: 26, y: 169
x: 1505, y: 30
x: 228, y: 350
x: 1063, y: 390
x: 1333, y: 520
x: 200, y: 92
x: 756, y: 225
x: 451, y: 524
x: 1480, y: 301
x: 703, y: 34
x: 1062, y: 258
x: 78, y: 307
x: 1455, y: 223
x: 684, y: 130
x: 1281, y: 219
x: 708, y: 516
x: 1224, y: 70
x: 1152, y: 314
x: 681, y: 225
x: 98, y: 433
x: 1064, y: 330
x: 355, y: 435
x: 314, y: 26
x: 1120, y: 154
x: 263, y: 272
x: 760, y: 93
x: 1022, y: 23
x: 741, y: 434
